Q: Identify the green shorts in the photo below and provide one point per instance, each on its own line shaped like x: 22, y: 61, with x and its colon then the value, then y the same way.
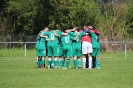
x: 52, y: 50
x: 38, y: 52
x: 67, y: 51
x: 96, y: 52
x: 77, y: 51
x: 59, y: 50
x: 43, y: 52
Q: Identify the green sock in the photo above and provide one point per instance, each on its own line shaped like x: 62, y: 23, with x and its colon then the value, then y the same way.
x: 56, y: 63
x: 79, y: 62
x: 42, y: 63
x: 75, y: 62
x: 97, y: 63
x: 49, y: 63
x: 37, y: 63
x: 63, y: 61
x: 52, y: 61
x: 67, y: 63
x: 60, y: 63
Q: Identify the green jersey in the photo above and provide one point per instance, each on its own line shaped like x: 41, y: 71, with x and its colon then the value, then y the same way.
x: 78, y: 41
x: 94, y: 38
x: 40, y: 42
x: 51, y: 36
x: 66, y: 40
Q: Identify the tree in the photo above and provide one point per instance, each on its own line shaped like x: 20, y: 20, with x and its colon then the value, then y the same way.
x: 113, y: 20
x: 68, y: 13
x: 129, y: 20
x: 3, y: 27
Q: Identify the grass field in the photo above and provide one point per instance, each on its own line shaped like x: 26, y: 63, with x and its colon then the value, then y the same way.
x: 17, y: 71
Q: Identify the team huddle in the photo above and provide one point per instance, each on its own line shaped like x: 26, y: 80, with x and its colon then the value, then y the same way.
x: 59, y: 47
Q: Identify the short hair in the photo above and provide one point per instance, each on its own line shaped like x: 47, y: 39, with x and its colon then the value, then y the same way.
x: 85, y: 25
x: 78, y: 29
x: 46, y: 27
x: 89, y: 24
x: 70, y: 27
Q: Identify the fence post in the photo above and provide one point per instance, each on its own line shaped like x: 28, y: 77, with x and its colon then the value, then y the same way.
x: 10, y: 41
x: 25, y: 49
x: 125, y: 50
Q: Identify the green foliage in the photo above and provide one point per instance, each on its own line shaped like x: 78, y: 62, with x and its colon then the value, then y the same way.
x: 69, y: 13
x: 113, y: 20
x: 28, y: 17
x: 22, y: 13
x: 129, y: 18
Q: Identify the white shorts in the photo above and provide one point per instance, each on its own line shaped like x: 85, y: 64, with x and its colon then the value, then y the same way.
x: 86, y: 47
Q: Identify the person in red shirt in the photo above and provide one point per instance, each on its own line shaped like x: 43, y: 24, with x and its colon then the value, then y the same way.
x: 86, y: 48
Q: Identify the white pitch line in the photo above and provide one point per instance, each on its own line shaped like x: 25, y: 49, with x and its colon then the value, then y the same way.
x: 106, y: 57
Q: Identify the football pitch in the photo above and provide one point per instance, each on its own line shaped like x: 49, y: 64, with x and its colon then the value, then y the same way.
x: 21, y: 72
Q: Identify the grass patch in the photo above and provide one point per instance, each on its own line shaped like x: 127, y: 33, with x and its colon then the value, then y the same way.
x: 17, y: 71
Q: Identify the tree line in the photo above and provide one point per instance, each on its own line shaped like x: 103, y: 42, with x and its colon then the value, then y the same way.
x: 113, y: 18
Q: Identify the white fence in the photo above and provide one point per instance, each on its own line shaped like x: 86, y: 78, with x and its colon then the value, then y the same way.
x: 24, y: 45
x: 105, y: 46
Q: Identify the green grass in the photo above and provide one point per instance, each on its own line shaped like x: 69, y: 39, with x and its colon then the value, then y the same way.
x: 21, y: 72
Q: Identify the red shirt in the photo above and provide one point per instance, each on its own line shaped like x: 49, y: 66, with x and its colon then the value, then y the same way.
x: 95, y: 31
x: 86, y: 38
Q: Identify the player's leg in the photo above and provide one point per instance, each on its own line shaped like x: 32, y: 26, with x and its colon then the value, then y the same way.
x: 42, y: 62
x: 84, y: 52
x: 49, y: 56
x: 97, y: 63
x: 79, y: 54
x: 60, y: 62
x: 75, y: 56
x: 56, y: 62
x: 60, y: 52
x: 37, y: 58
x: 69, y: 54
x: 65, y: 53
x: 87, y: 61
x: 75, y: 61
x: 43, y: 54
x: 89, y: 51
x: 94, y: 54
x: 79, y: 62
x: 64, y: 57
x: 90, y: 60
x: 55, y: 53
x: 63, y: 62
x: 98, y: 59
x: 67, y: 62
x: 37, y: 62
x: 93, y: 62
x: 49, y: 62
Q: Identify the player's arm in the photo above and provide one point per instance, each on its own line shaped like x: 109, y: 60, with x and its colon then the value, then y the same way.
x: 71, y: 33
x: 48, y: 39
x: 55, y: 34
x: 85, y: 33
x: 42, y: 35
x: 69, y: 30
x: 96, y: 32
x: 77, y: 36
x: 91, y: 32
x: 45, y: 35
x: 64, y: 34
x: 59, y: 34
